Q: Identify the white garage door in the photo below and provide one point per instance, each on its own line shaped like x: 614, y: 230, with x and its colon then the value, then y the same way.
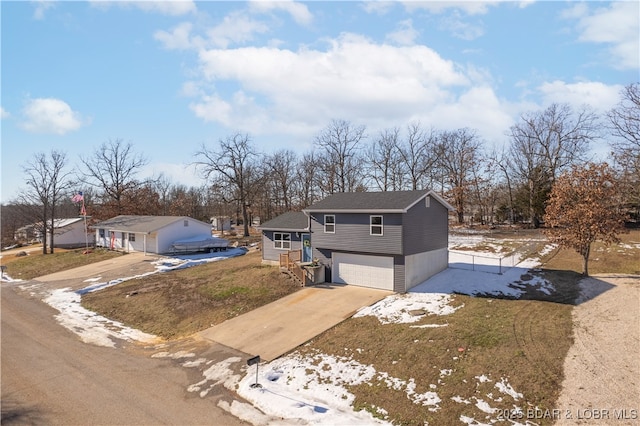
x: 362, y: 270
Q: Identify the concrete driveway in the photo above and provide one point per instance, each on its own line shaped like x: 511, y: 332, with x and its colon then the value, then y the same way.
x: 281, y: 326
x: 118, y: 267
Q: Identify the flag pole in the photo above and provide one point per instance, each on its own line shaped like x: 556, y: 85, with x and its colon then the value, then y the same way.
x: 86, y: 231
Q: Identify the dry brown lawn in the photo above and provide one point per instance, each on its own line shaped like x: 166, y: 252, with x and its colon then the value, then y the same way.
x: 182, y: 302
x: 36, y: 264
x: 622, y: 258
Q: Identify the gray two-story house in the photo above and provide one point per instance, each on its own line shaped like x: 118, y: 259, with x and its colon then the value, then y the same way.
x: 388, y: 240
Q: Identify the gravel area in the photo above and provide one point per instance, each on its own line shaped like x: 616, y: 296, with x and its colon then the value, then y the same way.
x: 602, y: 368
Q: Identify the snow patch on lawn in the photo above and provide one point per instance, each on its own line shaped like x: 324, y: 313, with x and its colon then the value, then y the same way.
x: 398, y: 308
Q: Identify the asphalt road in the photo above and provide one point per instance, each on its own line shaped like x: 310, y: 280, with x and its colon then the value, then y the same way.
x: 50, y: 377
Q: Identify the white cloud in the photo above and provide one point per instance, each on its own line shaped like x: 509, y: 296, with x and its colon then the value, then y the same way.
x: 598, y: 95
x: 379, y: 7
x: 179, y: 38
x: 297, y: 92
x: 405, y: 35
x: 41, y: 7
x: 616, y: 25
x: 460, y: 28
x: 235, y: 28
x: 170, y: 8
x: 4, y: 113
x: 468, y: 7
x: 49, y: 115
x: 298, y: 11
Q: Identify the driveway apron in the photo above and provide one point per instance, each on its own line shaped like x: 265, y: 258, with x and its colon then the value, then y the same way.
x: 128, y: 265
x: 281, y: 326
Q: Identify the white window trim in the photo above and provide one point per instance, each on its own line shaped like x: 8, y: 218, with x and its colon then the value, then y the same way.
x: 281, y: 241
x: 325, y: 223
x: 381, y: 226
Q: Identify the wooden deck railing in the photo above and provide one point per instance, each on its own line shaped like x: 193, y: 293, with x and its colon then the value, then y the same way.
x: 290, y: 261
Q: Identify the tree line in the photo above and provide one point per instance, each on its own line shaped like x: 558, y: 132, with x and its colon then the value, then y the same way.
x: 486, y: 185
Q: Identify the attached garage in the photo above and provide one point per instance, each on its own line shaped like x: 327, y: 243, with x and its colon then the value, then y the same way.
x: 363, y: 270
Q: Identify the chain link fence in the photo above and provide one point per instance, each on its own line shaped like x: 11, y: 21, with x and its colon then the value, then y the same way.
x: 483, y: 263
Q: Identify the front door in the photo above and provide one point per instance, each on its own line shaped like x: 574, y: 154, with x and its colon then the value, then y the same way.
x: 306, y: 248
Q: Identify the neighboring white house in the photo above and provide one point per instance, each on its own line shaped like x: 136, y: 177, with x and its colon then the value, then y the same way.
x: 29, y: 233
x: 149, y: 234
x: 69, y: 233
x: 221, y: 223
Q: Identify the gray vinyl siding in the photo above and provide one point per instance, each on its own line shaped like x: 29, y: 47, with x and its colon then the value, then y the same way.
x: 398, y: 274
x: 269, y: 252
x: 324, y: 258
x: 425, y: 228
x: 352, y: 233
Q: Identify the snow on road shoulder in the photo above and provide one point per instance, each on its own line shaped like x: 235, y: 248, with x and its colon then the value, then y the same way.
x: 89, y: 326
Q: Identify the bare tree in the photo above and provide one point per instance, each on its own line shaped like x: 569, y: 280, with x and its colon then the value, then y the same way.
x: 419, y: 153
x: 583, y: 207
x: 545, y: 143
x: 233, y: 164
x: 306, y: 176
x: 162, y: 185
x: 281, y: 167
x: 113, y: 168
x: 564, y: 135
x: 47, y: 181
x: 502, y: 162
x: 386, y: 169
x: 340, y: 157
x: 624, y: 122
x: 459, y: 151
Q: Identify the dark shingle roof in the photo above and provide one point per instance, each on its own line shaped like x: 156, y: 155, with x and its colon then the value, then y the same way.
x: 290, y: 221
x: 389, y: 201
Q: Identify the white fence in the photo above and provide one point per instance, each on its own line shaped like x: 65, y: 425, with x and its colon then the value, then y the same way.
x: 482, y: 263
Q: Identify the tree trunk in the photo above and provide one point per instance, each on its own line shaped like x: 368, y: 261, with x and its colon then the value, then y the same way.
x: 532, y: 212
x: 245, y: 219
x: 585, y: 261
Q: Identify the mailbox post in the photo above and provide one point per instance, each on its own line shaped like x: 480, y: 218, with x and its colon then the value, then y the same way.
x: 255, y: 360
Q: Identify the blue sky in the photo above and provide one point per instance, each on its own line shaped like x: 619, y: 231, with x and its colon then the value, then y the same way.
x: 170, y: 76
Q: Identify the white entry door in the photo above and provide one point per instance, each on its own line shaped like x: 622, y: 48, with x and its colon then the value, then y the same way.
x: 363, y: 270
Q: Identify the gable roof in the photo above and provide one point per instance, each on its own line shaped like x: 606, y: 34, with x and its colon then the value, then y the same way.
x: 290, y: 221
x: 61, y: 223
x: 373, y: 202
x: 141, y: 224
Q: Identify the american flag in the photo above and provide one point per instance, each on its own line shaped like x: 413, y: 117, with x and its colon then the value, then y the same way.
x: 78, y: 197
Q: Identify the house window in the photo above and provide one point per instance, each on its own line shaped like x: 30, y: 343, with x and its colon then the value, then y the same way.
x: 375, y: 223
x: 132, y: 237
x: 329, y: 223
x: 427, y: 201
x: 101, y: 233
x: 186, y: 223
x: 282, y: 241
